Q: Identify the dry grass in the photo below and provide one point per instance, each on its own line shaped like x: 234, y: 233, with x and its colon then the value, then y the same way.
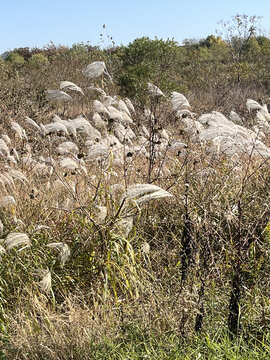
x: 165, y: 268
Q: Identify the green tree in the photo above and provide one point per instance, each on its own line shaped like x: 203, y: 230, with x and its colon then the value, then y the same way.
x: 264, y: 43
x: 38, y: 60
x: 15, y: 59
x: 257, y: 54
x: 25, y: 52
x: 158, y: 61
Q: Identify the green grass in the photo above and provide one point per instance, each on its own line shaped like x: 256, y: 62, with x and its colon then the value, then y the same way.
x: 136, y: 346
x: 135, y: 343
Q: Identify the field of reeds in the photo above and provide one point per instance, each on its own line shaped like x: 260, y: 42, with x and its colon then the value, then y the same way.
x: 131, y: 228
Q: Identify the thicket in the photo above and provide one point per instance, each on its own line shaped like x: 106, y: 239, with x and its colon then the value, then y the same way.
x: 217, y: 72
x: 100, y: 269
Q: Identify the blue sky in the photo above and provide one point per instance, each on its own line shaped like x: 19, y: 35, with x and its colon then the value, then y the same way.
x: 37, y: 22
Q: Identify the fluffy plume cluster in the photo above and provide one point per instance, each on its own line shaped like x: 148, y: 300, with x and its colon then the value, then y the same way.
x: 230, y: 138
x: 46, y: 283
x: 20, y: 132
x: 123, y: 226
x: 63, y: 249
x: 179, y: 101
x: 96, y: 69
x: 154, y: 90
x: 58, y: 95
x: 68, y: 85
x: 99, y: 214
x: 7, y: 200
x: 17, y: 239
x: 145, y: 192
x: 112, y: 137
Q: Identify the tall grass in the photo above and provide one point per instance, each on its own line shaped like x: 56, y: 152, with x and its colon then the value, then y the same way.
x: 129, y: 232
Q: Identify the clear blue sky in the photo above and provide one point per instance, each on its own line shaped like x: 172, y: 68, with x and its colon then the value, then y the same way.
x: 37, y: 22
